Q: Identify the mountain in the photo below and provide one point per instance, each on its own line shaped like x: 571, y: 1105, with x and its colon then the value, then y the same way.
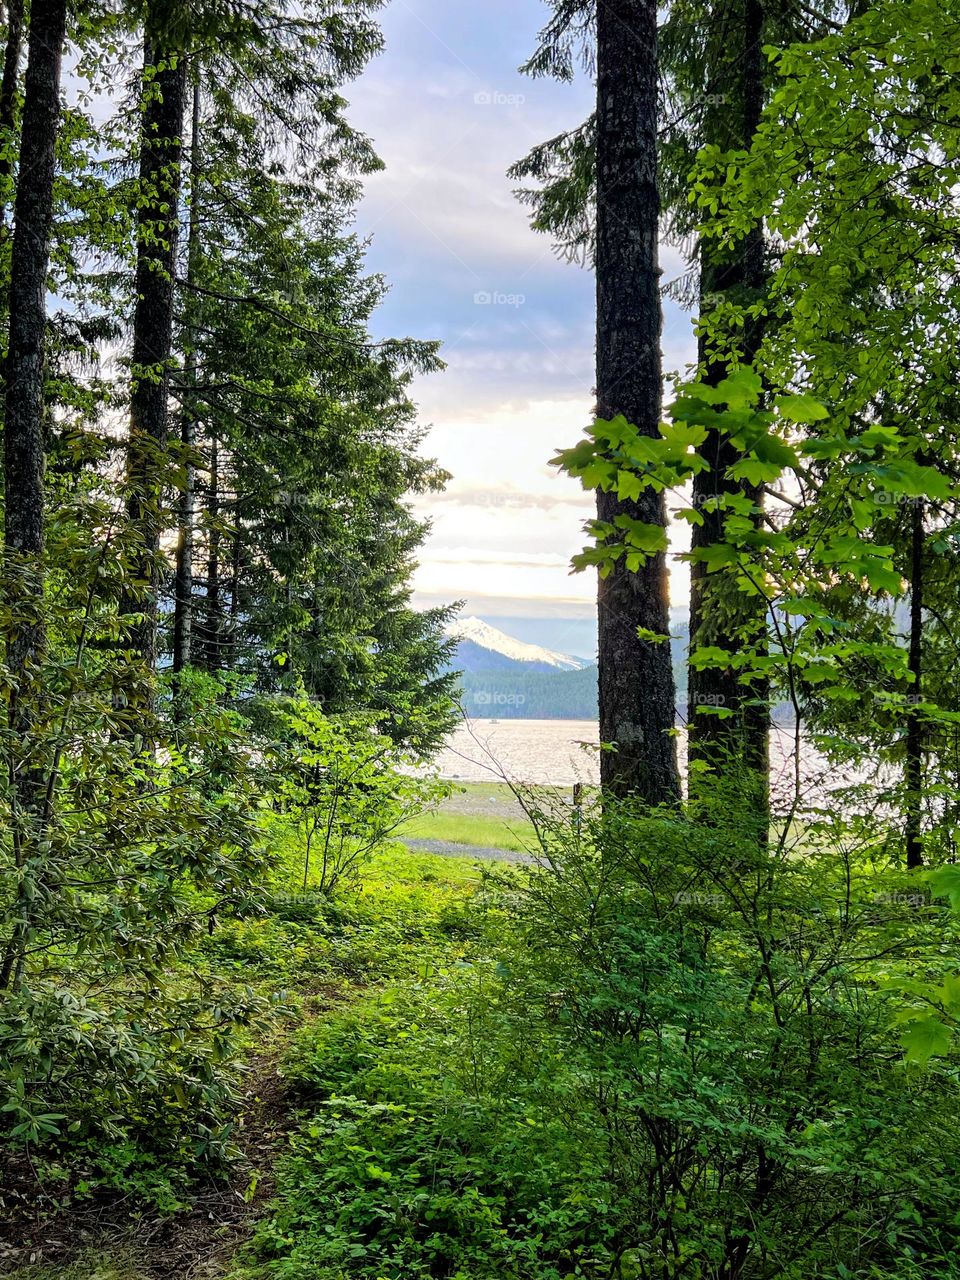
x: 503, y: 677
x: 483, y: 648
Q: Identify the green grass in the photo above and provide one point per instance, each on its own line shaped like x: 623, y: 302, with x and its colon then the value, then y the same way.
x: 372, y: 930
x: 479, y: 814
x: 467, y: 829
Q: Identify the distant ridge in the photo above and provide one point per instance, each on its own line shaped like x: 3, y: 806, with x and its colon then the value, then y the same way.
x: 482, y: 647
x: 502, y: 677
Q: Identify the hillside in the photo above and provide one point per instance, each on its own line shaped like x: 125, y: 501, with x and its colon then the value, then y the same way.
x: 503, y: 678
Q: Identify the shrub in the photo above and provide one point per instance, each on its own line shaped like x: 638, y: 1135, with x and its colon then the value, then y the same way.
x: 108, y: 1033
x: 340, y: 783
x: 675, y: 1054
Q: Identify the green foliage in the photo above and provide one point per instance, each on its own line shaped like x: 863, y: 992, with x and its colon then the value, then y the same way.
x: 105, y: 890
x: 317, y: 440
x: 672, y: 1053
x: 150, y: 835
x: 342, y: 785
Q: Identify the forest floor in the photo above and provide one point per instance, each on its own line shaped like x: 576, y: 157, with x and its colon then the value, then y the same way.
x: 383, y: 929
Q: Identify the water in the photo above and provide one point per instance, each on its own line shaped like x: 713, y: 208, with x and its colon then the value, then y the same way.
x: 557, y: 752
x: 542, y: 752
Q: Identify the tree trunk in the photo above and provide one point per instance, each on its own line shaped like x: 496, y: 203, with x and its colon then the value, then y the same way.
x: 236, y: 569
x: 213, y: 603
x: 8, y: 96
x: 913, y: 768
x: 183, y: 592
x: 637, y: 696
x: 721, y: 614
x: 24, y: 452
x: 160, y: 151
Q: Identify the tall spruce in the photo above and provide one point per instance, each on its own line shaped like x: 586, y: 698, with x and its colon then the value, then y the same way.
x: 913, y: 766
x: 9, y: 93
x: 183, y: 579
x: 164, y: 86
x: 728, y: 721
x: 24, y: 447
x: 637, y: 695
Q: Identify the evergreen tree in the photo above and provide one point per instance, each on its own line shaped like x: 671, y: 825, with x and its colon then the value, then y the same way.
x: 605, y: 199
x: 314, y: 440
x: 25, y: 449
x: 158, y: 213
x: 637, y: 696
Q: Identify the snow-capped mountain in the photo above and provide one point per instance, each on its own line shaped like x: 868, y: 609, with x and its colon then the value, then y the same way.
x: 482, y: 647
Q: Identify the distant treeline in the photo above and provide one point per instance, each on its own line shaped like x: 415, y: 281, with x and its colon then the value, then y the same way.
x: 534, y: 695
x: 550, y: 695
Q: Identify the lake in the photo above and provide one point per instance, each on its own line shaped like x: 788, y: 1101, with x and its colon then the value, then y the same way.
x: 551, y: 752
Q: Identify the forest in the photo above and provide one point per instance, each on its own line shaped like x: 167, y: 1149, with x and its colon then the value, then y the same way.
x: 701, y: 1020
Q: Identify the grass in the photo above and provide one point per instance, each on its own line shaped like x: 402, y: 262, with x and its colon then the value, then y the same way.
x: 478, y: 814
x: 468, y: 829
x: 90, y: 1267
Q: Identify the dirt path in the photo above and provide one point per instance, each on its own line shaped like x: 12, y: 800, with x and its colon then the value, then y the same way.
x: 104, y: 1240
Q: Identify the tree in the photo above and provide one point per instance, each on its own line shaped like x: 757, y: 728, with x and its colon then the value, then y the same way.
x: 851, y: 169
x: 721, y: 613
x: 306, y: 433
x: 9, y: 90
x: 715, y: 80
x: 24, y: 449
x: 183, y: 579
x: 164, y: 85
x: 637, y: 697
x: 600, y: 198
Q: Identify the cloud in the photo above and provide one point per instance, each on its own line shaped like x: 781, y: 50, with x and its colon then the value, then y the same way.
x: 506, y: 499
x: 449, y: 114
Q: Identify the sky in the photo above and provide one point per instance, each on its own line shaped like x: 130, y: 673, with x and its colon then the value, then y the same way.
x: 449, y: 113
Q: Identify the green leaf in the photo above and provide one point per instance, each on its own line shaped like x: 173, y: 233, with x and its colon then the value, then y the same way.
x: 925, y: 1039
x: 944, y: 882
x: 756, y: 471
x: 648, y: 538
x: 741, y: 389
x: 801, y: 409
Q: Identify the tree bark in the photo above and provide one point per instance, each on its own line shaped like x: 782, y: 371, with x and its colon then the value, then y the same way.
x: 720, y: 613
x: 8, y: 96
x: 24, y: 451
x: 637, y: 695
x: 214, y: 610
x: 236, y: 570
x: 183, y: 591
x: 160, y: 154
x: 913, y: 768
